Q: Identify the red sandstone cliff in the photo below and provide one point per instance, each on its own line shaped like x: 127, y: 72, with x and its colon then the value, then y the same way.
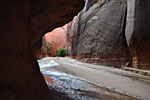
x: 57, y: 39
x: 61, y: 37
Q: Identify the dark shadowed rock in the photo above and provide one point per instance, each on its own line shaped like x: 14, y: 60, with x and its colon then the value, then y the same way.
x: 22, y: 25
x: 40, y: 48
x: 138, y: 32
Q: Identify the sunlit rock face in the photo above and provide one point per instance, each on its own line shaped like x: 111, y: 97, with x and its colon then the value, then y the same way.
x: 138, y: 32
x: 57, y: 39
x: 22, y: 25
x: 61, y: 37
x: 100, y: 34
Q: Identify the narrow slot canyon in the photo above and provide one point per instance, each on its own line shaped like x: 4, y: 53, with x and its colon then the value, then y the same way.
x: 75, y: 50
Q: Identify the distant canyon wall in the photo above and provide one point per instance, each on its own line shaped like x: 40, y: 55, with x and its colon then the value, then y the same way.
x: 57, y: 39
x: 113, y: 32
x: 60, y: 37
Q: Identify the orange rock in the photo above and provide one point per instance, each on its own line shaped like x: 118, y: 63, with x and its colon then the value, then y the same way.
x: 57, y: 39
x: 52, y: 82
x: 49, y: 80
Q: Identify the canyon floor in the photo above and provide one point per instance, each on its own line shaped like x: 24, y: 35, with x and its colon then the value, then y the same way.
x: 70, y: 79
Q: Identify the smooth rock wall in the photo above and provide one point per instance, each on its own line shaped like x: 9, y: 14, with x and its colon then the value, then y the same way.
x: 138, y: 32
x: 101, y: 33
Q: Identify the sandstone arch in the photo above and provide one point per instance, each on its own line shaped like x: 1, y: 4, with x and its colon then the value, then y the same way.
x: 22, y: 25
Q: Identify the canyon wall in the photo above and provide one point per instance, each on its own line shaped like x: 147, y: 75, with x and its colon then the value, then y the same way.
x: 138, y: 32
x: 57, y: 39
x: 100, y: 34
x: 61, y: 37
x: 22, y: 25
x: 71, y: 28
x: 113, y: 32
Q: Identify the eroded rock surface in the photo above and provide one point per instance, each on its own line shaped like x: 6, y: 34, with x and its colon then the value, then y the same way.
x: 101, y: 33
x: 114, y: 31
x: 22, y: 25
x: 71, y: 29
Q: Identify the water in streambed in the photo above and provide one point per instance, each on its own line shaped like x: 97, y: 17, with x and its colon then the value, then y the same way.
x: 75, y: 88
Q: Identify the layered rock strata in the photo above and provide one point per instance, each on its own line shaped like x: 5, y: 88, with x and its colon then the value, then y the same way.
x: 114, y: 31
x: 100, y: 33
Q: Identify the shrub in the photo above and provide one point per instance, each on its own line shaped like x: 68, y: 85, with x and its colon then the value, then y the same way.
x: 48, y: 49
x: 61, y: 52
x: 49, y: 53
x: 58, y: 53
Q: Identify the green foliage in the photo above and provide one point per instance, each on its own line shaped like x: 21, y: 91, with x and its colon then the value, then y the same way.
x: 48, y: 46
x: 61, y: 52
x: 49, y: 53
x: 48, y: 49
x: 58, y: 53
